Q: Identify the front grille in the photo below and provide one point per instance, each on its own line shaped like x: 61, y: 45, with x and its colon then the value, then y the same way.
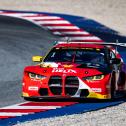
x: 72, y: 80
x: 55, y: 80
x: 55, y: 85
x: 71, y: 85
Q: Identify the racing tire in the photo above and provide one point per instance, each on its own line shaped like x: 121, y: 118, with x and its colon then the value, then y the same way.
x: 122, y: 79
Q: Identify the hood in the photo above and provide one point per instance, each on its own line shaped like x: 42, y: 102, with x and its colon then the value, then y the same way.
x: 49, y: 69
x: 103, y: 68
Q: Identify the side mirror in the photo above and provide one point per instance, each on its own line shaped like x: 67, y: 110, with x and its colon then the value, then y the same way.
x: 116, y: 61
x: 37, y: 58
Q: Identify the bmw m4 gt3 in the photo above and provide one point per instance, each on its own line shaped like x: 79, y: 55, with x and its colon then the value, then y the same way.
x: 75, y: 70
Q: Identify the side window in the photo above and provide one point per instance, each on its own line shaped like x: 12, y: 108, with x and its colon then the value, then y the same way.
x: 112, y: 55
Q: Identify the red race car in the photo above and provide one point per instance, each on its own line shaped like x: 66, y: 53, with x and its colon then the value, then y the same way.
x: 75, y: 70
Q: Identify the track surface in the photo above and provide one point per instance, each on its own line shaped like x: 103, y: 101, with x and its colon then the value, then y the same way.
x: 19, y: 41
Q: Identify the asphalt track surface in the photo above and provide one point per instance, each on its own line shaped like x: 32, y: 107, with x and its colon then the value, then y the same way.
x: 19, y: 41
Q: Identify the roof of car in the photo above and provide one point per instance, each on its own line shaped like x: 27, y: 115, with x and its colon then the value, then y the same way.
x: 77, y: 45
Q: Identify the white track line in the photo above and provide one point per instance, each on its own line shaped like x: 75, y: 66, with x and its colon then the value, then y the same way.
x: 53, y: 22
x: 15, y: 105
x: 17, y: 14
x: 84, y: 38
x: 75, y: 32
x: 62, y: 27
x: 12, y: 114
x: 31, y: 107
x: 41, y: 17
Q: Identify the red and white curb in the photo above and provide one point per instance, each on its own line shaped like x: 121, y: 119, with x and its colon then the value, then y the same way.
x: 27, y: 108
x: 57, y: 25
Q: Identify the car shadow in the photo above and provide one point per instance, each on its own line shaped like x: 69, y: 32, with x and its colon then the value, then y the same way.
x: 78, y: 100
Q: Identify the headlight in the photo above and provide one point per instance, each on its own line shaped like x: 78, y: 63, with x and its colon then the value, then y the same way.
x: 40, y: 77
x: 36, y: 76
x: 94, y: 78
x: 32, y: 75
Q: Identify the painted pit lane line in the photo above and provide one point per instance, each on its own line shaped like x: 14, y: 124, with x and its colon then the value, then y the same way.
x: 58, y: 25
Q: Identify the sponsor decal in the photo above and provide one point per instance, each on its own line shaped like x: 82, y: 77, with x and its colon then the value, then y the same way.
x: 49, y: 64
x: 68, y: 66
x: 96, y: 89
x: 46, y: 66
x: 33, y: 88
x: 62, y: 70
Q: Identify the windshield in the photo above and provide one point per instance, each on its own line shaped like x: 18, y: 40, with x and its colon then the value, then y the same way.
x: 94, y: 56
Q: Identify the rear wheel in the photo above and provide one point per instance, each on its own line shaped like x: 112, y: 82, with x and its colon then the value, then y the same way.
x: 122, y: 79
